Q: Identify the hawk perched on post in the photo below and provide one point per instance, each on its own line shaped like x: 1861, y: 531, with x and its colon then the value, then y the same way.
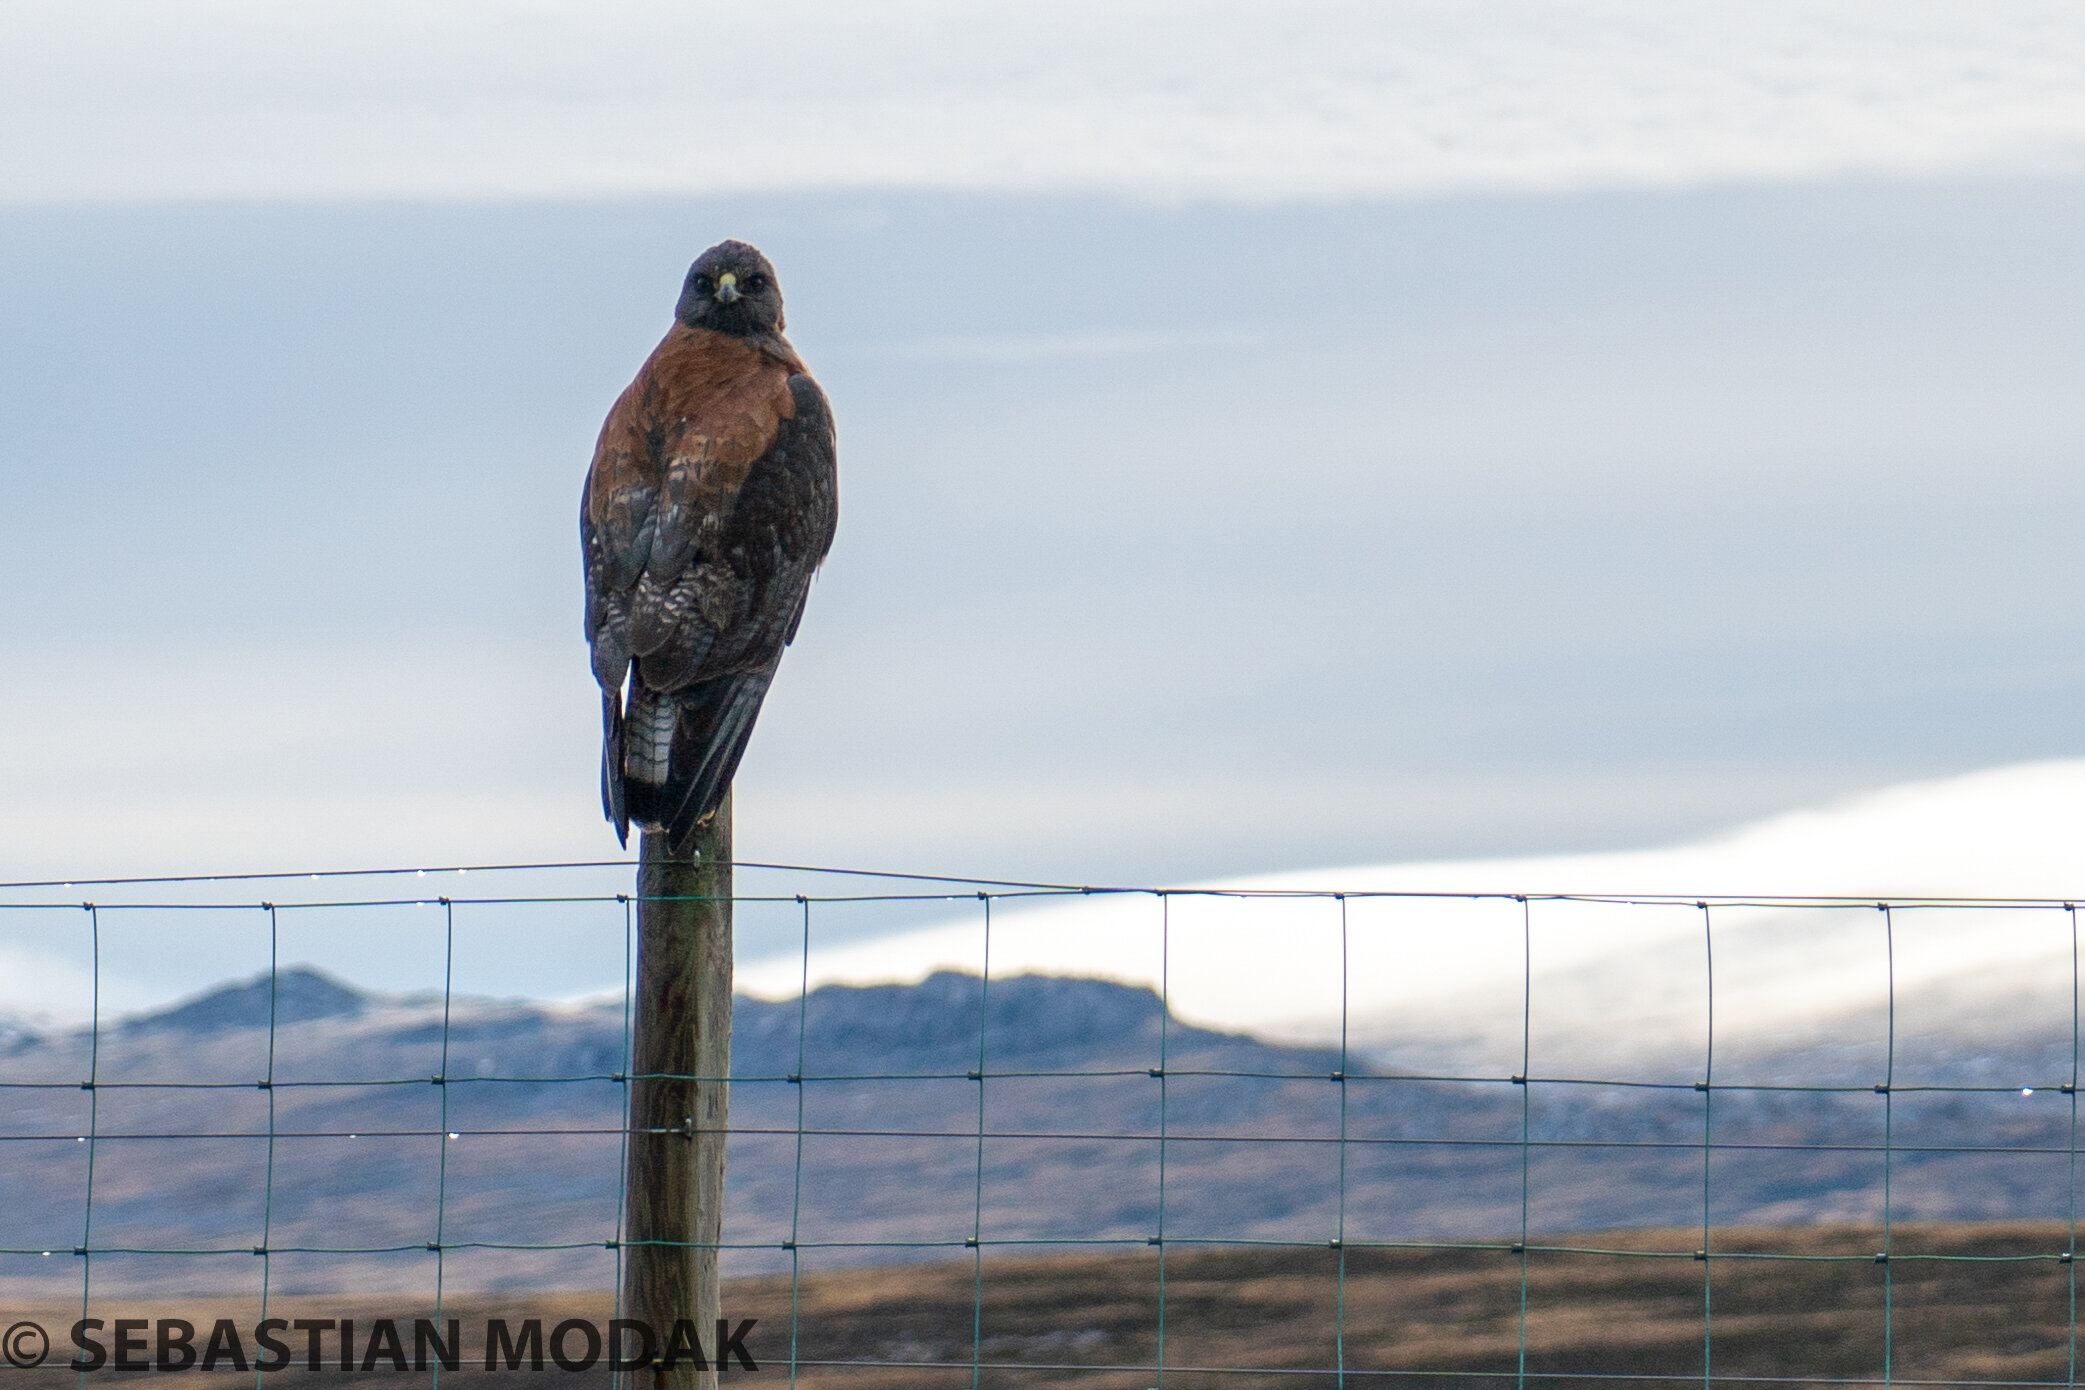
x: 710, y: 503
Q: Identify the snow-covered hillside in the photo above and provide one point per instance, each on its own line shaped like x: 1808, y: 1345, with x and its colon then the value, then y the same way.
x: 1440, y: 978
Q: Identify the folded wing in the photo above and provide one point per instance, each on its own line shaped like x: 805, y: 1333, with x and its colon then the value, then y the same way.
x: 711, y: 501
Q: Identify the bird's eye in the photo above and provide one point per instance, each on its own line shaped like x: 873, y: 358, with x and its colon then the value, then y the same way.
x: 704, y: 283
x: 756, y: 283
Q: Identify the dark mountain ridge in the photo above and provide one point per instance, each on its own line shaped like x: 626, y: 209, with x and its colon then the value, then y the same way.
x: 497, y: 1134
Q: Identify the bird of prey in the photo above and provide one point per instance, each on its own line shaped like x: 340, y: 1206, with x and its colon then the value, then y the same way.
x: 711, y: 501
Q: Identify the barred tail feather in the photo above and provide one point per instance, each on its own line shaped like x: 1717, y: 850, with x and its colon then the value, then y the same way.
x: 715, y: 724
x: 669, y: 758
x: 613, y: 803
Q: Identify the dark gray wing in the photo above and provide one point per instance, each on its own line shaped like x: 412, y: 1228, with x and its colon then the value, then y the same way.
x: 780, y: 528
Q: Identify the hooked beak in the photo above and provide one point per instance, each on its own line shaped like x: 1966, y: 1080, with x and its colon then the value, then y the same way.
x: 727, y: 287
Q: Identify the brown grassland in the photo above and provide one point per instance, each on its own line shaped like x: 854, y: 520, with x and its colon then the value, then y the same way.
x: 1996, y: 1305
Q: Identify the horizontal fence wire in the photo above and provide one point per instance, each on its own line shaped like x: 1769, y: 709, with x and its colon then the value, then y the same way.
x: 1166, y: 1140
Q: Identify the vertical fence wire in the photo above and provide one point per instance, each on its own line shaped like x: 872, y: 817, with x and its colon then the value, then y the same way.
x: 441, y: 1083
x: 1708, y: 1135
x: 1527, y: 1019
x: 2070, y: 1245
x: 93, y: 1135
x: 1165, y: 1020
x: 1888, y: 1089
x: 264, y: 1249
x: 796, y: 1193
x: 1339, y: 1240
x: 621, y: 1080
x: 977, y: 1214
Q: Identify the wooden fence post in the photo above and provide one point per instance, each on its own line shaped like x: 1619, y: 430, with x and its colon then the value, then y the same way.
x: 682, y: 1028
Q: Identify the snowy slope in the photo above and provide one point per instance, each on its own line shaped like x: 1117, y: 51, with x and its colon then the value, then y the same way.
x: 1441, y: 978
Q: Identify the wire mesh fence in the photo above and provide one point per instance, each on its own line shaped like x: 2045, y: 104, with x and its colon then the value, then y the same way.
x: 1494, y: 1190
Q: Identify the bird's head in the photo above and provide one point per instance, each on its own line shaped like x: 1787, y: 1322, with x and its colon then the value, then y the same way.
x: 731, y: 289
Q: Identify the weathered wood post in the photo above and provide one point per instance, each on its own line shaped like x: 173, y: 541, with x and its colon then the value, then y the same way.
x: 682, y: 1028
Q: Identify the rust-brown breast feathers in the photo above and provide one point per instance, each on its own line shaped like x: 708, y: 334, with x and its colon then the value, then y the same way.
x: 672, y: 458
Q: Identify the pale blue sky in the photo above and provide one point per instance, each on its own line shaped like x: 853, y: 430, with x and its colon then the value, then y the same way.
x: 1420, y: 431
x: 1174, y: 542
